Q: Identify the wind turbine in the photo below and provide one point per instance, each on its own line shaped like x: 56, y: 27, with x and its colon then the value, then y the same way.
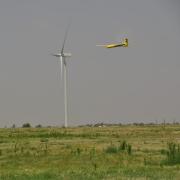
x: 62, y: 57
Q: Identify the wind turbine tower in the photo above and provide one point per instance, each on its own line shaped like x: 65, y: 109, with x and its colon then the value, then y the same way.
x: 62, y: 58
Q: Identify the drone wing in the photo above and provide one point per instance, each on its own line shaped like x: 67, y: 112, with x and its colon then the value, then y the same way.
x: 101, y: 45
x: 111, y: 45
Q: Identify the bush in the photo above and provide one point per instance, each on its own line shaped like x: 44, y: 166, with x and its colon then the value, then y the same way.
x: 39, y: 126
x: 26, y: 125
x: 78, y: 151
x: 123, y: 147
x: 129, y: 149
x: 172, y: 154
x: 111, y: 149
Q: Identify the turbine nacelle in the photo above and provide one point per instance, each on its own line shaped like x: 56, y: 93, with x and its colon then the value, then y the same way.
x: 62, y: 55
x: 67, y: 54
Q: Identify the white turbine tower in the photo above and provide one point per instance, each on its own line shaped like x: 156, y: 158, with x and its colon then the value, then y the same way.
x: 62, y: 57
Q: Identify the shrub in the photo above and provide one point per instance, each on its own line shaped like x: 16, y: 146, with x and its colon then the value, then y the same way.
x: 172, y: 154
x: 92, y: 152
x: 44, y: 140
x: 78, y: 151
x: 123, y: 147
x: 38, y: 126
x: 111, y: 149
x: 26, y: 125
x: 129, y: 149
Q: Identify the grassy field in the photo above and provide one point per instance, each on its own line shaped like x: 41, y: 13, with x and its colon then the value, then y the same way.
x: 115, y: 152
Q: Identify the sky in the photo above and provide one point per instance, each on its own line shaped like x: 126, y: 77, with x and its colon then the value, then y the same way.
x: 122, y: 85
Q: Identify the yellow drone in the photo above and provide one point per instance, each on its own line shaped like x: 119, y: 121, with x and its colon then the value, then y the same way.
x: 124, y: 43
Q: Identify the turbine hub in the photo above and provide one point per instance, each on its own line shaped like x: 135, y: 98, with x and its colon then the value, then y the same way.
x: 62, y: 55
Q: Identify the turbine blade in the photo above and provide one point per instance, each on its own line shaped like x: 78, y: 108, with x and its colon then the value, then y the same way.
x: 65, y: 37
x: 53, y: 54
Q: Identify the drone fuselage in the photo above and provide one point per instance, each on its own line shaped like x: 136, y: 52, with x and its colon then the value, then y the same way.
x: 124, y: 43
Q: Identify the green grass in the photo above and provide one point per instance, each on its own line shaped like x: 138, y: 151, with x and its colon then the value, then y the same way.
x: 172, y: 154
x: 116, y: 152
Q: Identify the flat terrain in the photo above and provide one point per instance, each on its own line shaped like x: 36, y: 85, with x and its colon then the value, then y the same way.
x: 114, y: 152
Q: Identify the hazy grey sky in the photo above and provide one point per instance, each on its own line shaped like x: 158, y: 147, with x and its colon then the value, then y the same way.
x: 136, y: 84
